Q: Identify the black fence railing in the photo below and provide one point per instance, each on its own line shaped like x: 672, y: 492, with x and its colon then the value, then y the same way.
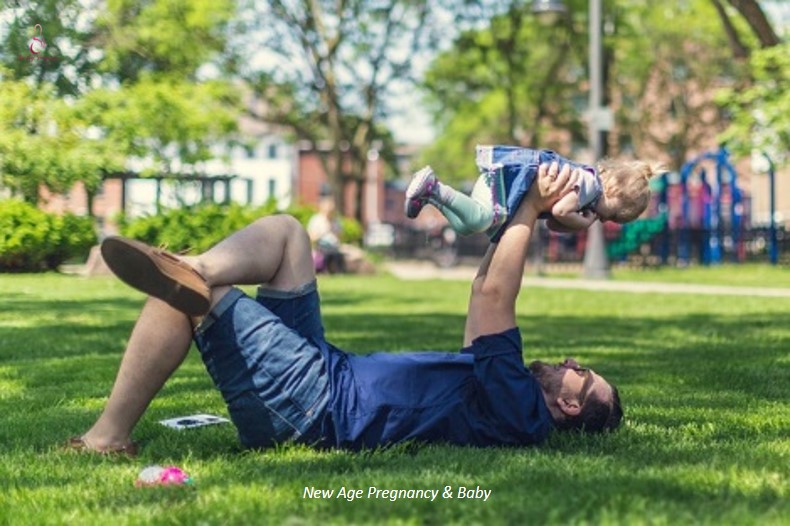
x: 675, y: 247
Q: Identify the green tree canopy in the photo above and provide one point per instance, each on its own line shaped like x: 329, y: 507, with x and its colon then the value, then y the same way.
x: 510, y: 81
x: 42, y: 143
x: 124, y: 82
x: 514, y: 80
x: 760, y: 113
x: 167, y: 125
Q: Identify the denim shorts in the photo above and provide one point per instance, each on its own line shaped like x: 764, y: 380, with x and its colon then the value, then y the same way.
x: 265, y: 356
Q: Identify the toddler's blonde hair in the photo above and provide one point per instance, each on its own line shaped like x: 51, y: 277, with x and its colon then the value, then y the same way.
x: 628, y: 182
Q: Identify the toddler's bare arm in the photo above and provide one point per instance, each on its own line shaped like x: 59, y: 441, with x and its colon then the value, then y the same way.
x: 572, y: 222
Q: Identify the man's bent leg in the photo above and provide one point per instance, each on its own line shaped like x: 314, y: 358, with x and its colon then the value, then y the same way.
x: 158, y: 344
x: 274, y: 250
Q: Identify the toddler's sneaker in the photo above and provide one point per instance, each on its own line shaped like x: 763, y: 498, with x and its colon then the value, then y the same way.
x: 421, y: 187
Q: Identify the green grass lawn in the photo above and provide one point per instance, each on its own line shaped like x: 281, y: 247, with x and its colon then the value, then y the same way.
x: 742, y: 275
x: 704, y: 382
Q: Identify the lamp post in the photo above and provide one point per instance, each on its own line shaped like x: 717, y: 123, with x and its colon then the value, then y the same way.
x: 773, y: 250
x: 596, y: 262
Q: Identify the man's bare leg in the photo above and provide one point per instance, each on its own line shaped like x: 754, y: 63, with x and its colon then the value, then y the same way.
x: 158, y: 344
x: 273, y: 250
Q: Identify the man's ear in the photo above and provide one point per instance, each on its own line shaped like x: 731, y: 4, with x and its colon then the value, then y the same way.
x: 569, y: 406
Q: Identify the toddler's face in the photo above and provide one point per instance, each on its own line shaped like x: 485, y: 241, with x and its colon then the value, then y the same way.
x: 605, y: 209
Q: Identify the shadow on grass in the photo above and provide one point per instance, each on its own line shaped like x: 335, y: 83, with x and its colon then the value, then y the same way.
x: 693, y: 354
x: 689, y: 364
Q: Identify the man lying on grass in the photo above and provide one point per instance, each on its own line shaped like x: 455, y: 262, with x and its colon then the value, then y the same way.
x: 283, y: 381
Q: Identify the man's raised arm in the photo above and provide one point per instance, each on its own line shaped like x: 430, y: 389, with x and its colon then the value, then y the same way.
x: 492, y: 305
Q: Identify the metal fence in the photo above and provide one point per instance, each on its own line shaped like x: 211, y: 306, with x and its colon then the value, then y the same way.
x: 675, y: 247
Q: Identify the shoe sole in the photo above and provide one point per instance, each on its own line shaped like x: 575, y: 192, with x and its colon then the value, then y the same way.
x: 414, y: 205
x: 135, y: 267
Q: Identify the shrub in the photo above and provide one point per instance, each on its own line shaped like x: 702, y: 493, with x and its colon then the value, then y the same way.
x: 191, y: 229
x: 33, y: 240
x: 352, y: 231
x: 197, y: 228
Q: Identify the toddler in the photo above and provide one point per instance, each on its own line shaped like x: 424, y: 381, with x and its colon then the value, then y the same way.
x: 612, y: 191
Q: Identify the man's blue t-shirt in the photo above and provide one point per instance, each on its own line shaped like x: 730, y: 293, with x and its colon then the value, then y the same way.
x: 482, y: 396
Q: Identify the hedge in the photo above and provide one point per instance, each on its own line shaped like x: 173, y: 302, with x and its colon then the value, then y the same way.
x: 32, y: 240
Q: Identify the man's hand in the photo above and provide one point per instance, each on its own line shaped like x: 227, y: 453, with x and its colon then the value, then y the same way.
x: 551, y: 184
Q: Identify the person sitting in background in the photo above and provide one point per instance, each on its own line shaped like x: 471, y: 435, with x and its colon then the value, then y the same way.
x: 324, y: 230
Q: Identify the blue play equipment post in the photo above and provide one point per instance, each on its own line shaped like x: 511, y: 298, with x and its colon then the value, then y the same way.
x: 773, y: 250
x: 713, y: 214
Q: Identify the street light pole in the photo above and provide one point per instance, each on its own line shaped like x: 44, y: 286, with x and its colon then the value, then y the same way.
x: 773, y: 250
x: 596, y: 262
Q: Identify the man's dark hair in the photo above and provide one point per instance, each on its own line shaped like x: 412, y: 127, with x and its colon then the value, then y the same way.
x: 596, y: 415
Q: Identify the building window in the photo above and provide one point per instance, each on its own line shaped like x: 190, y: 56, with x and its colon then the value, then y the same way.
x: 272, y: 188
x: 272, y: 151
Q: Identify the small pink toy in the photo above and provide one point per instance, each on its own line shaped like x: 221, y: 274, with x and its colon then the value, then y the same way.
x: 162, y: 476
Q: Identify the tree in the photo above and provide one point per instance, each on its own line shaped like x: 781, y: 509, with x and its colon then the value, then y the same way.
x: 331, y: 66
x: 758, y: 22
x: 42, y: 144
x: 664, y: 77
x: 510, y: 81
x: 760, y: 113
x: 70, y: 59
x: 758, y: 105
x: 660, y: 76
x: 164, y: 38
x: 127, y: 85
x: 165, y: 126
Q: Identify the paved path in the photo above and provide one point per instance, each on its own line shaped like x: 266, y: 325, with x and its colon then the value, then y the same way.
x: 416, y: 270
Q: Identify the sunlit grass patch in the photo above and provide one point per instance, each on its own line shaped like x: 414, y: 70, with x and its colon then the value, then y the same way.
x: 703, y: 380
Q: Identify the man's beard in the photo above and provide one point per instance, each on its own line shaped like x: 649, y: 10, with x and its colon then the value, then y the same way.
x: 545, y: 374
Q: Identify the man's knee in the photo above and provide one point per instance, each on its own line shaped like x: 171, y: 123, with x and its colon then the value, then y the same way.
x: 290, y: 223
x: 282, y: 228
x: 294, y: 232
x: 296, y: 265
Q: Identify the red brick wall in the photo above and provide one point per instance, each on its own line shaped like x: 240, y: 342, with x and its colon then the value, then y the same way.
x: 312, y: 178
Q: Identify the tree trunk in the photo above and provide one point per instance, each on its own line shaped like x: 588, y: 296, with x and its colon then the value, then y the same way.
x: 738, y: 49
x: 90, y: 196
x: 754, y: 15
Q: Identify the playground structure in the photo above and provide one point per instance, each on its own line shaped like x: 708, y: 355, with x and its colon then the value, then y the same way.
x: 706, y: 213
x: 698, y: 215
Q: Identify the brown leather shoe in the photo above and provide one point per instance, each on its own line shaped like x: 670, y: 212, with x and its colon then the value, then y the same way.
x: 78, y: 444
x: 158, y: 273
